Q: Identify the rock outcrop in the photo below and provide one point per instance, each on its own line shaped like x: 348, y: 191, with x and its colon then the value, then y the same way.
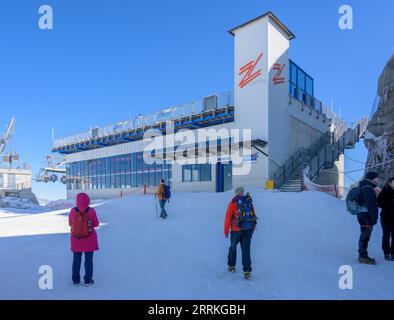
x: 379, y: 138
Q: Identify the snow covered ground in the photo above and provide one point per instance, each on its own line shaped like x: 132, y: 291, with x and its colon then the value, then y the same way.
x: 301, y: 241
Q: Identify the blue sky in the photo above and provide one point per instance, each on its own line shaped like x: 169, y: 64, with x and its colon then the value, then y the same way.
x: 106, y: 59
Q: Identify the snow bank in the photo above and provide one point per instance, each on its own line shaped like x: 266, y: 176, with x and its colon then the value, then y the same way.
x: 370, y: 136
x: 60, y: 204
x: 301, y: 241
x: 25, y: 206
x: 17, y: 203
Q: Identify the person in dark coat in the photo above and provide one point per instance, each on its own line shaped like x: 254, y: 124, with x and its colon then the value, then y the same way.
x: 368, y: 218
x: 386, y: 202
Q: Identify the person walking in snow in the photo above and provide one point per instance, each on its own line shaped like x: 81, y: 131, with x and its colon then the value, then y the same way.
x: 83, y: 221
x: 369, y: 191
x: 241, y: 218
x: 163, y: 194
x: 386, y: 202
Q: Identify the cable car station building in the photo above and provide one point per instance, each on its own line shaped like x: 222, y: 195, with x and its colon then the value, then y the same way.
x: 273, y: 98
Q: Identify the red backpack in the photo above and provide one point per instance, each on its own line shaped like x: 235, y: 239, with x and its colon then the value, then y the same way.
x: 81, y: 226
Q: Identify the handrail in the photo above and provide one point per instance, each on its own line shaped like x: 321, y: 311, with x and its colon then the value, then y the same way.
x: 317, y: 105
x: 297, y: 160
x: 324, y: 151
x: 330, y: 153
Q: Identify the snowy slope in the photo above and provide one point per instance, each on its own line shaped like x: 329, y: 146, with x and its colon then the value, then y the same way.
x: 301, y: 241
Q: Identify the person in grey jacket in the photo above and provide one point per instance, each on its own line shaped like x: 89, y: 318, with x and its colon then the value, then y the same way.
x: 369, y: 218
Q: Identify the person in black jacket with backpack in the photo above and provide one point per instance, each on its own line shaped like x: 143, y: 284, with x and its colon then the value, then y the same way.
x: 386, y: 202
x: 368, y: 218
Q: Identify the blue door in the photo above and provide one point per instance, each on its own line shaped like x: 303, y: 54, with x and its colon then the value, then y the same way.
x: 224, y: 177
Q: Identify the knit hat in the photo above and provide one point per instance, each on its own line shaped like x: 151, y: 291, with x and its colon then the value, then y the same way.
x: 371, y: 175
x: 239, y: 190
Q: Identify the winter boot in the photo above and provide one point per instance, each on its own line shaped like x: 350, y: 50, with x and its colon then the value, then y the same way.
x: 89, y: 284
x: 388, y: 257
x: 247, y: 275
x: 231, y: 269
x: 366, y: 260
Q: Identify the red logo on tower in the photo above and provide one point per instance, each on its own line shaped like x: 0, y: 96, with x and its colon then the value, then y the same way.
x: 250, y: 73
x: 278, y: 79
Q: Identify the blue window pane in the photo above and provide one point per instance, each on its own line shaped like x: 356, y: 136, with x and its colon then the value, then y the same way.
x: 186, y: 173
x: 145, y: 177
x: 195, y: 173
x: 134, y: 162
x: 134, y: 180
x: 128, y: 180
x: 301, y: 80
x: 151, y: 178
x: 117, y: 181
x: 140, y: 161
x: 128, y: 164
x: 205, y: 172
x: 124, y: 171
x: 158, y: 175
x: 309, y: 86
x: 139, y: 179
x: 293, y: 73
x: 301, y: 84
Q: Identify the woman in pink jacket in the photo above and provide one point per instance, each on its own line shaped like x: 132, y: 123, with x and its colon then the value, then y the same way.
x: 83, y: 221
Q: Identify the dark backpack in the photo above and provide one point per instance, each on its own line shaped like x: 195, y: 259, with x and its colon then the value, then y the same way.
x: 81, y: 226
x: 355, y: 201
x: 245, y: 219
x: 166, y: 192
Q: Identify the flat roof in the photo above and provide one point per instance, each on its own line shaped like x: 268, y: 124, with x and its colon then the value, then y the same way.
x: 273, y: 17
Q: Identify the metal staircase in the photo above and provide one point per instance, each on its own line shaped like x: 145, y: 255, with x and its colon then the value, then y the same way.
x: 294, y: 184
x: 321, y: 155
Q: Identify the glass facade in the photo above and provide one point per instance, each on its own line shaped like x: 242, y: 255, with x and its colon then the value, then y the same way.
x: 123, y: 171
x: 196, y: 172
x: 300, y: 83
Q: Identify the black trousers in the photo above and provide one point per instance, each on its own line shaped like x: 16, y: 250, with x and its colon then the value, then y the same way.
x: 245, y: 238
x: 365, y: 234
x: 388, y: 235
x: 77, y: 259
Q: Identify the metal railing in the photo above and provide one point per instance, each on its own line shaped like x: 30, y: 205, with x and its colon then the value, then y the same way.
x: 322, y: 154
x: 222, y: 100
x: 326, y: 149
x: 298, y: 160
x: 331, y: 152
x: 316, y: 105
